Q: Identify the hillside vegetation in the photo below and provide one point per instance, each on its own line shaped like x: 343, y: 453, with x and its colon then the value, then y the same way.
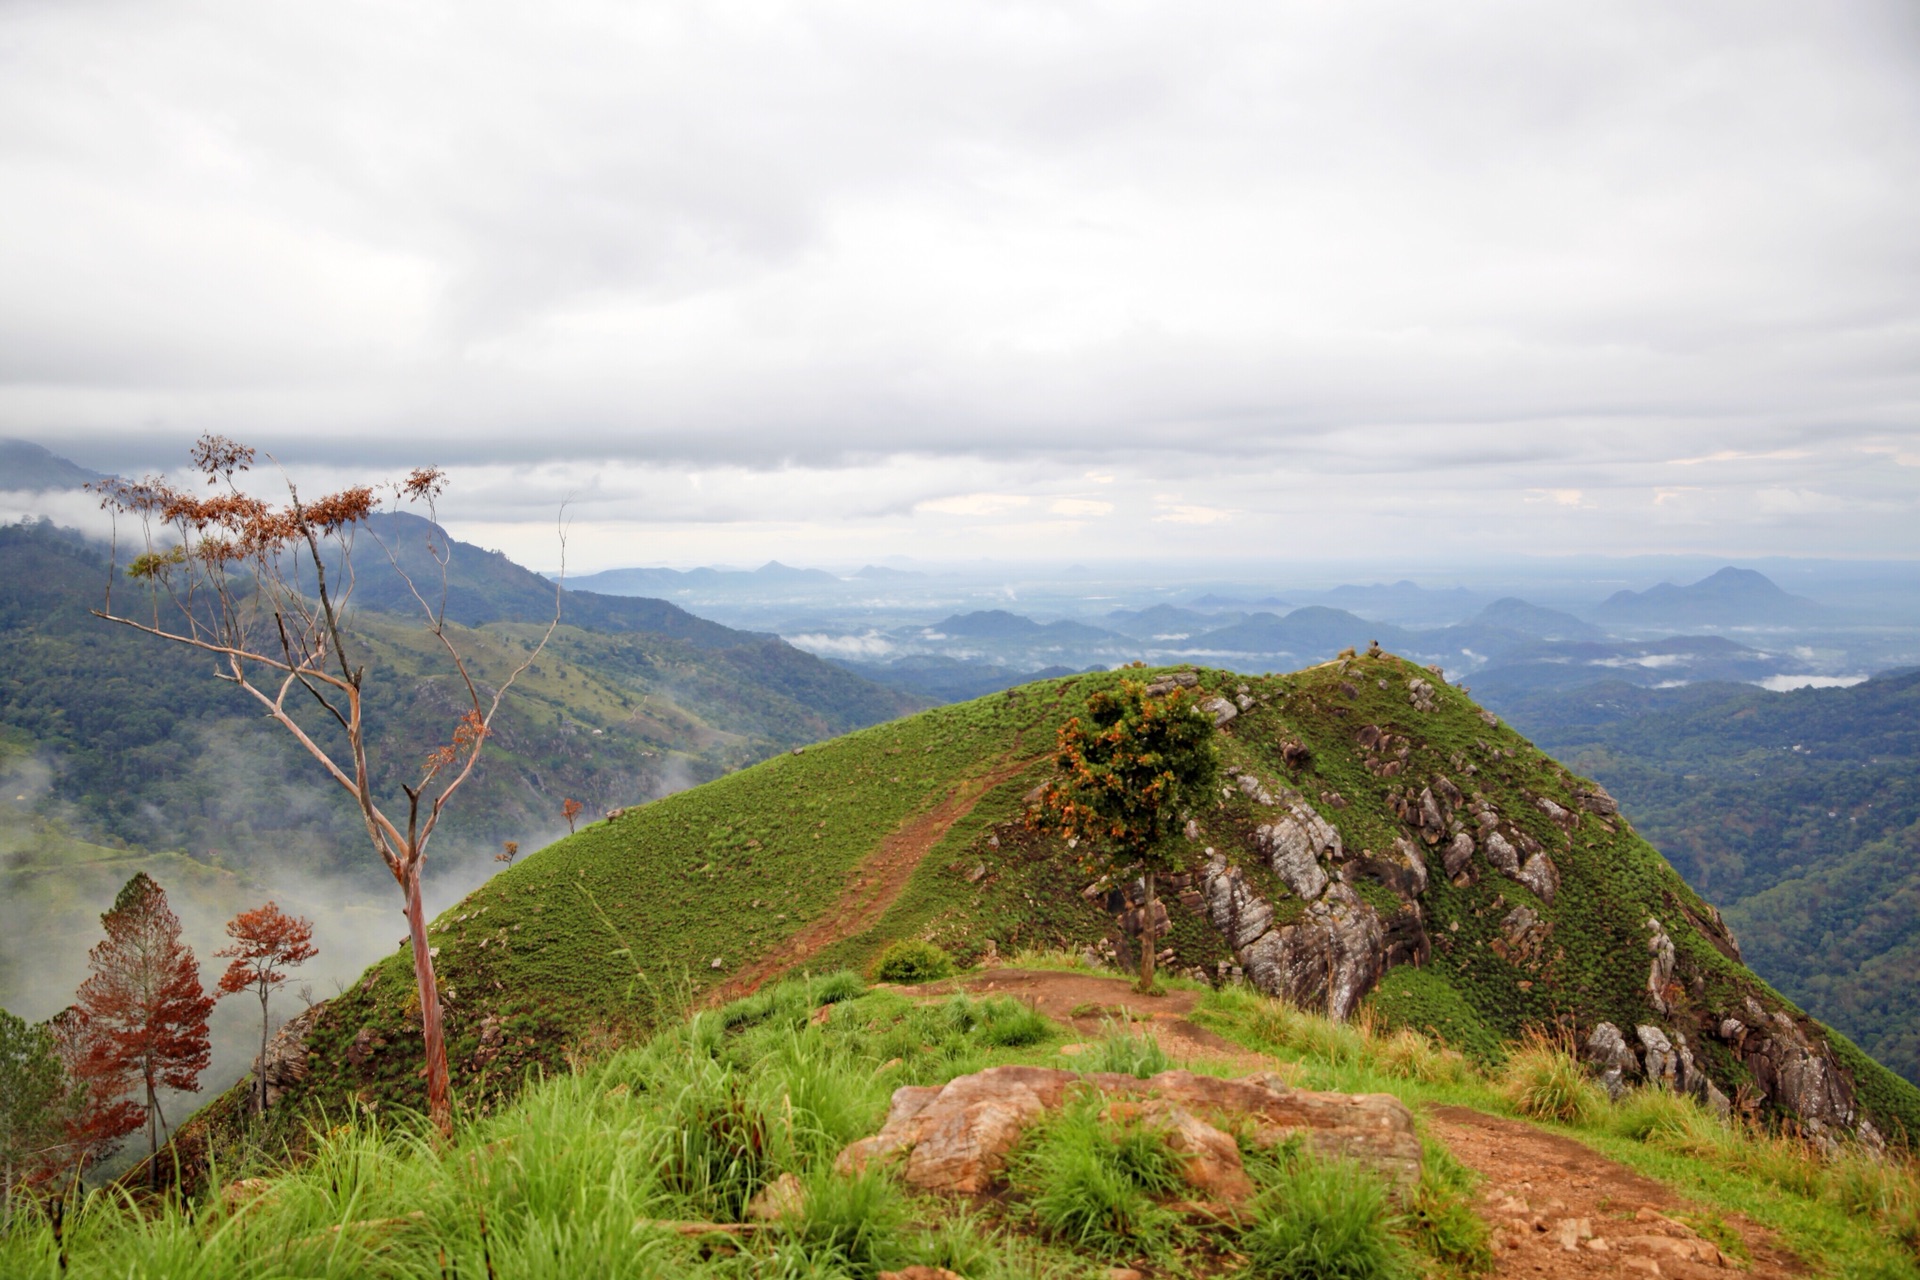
x: 1559, y: 917
x: 1798, y: 813
x: 711, y: 1149
x: 142, y: 746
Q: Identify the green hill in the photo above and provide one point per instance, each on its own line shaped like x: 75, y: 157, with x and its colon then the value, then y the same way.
x: 1799, y: 813
x: 143, y: 745
x: 1407, y: 800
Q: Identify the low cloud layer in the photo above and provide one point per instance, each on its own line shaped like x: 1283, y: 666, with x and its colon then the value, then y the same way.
x: 831, y: 281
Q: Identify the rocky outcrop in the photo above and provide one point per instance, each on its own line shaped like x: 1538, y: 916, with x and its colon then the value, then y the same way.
x: 1660, y: 966
x: 1330, y: 958
x: 1235, y: 908
x: 285, y: 1062
x: 1295, y: 844
x: 1796, y: 1075
x: 1540, y: 875
x: 1612, y: 1059
x: 956, y: 1138
x: 1420, y: 694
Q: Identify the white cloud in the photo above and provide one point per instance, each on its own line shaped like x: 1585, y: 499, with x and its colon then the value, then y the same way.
x: 974, y: 504
x: 1080, y: 507
x: 837, y: 276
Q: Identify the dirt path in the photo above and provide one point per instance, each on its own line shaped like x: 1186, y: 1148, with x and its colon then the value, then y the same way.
x: 876, y: 883
x: 1563, y: 1211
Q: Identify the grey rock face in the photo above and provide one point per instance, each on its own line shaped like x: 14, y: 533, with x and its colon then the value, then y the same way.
x: 1501, y: 855
x: 1458, y: 855
x: 1551, y: 809
x: 1220, y: 709
x: 1609, y: 1053
x: 1660, y: 967
x: 1404, y: 871
x: 285, y: 1062
x: 1517, y: 922
x: 1594, y: 799
x: 1239, y: 913
x: 1291, y: 849
x: 1420, y: 694
x: 1404, y: 937
x: 1332, y: 957
x: 1540, y: 875
x: 1800, y: 1078
x: 1661, y: 1063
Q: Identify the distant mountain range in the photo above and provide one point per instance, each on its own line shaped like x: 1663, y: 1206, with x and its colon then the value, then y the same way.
x: 26, y: 466
x: 1730, y: 598
x: 633, y: 582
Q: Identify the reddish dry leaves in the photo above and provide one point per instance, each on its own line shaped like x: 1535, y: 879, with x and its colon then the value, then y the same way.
x: 142, y: 1015
x: 266, y: 943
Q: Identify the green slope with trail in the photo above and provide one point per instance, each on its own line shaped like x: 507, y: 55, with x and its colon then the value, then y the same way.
x: 603, y: 935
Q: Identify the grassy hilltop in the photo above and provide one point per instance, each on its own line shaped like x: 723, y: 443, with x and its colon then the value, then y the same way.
x: 819, y: 858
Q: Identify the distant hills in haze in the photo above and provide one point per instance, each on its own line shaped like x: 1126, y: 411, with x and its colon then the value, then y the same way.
x: 1730, y: 598
x: 26, y: 466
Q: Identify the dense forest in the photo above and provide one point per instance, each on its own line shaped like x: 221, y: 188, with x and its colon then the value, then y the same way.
x: 1797, y: 813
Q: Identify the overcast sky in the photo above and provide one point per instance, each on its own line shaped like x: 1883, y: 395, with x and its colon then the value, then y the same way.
x: 831, y: 281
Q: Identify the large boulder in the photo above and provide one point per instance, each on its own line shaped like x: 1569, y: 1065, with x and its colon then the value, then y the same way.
x: 957, y: 1138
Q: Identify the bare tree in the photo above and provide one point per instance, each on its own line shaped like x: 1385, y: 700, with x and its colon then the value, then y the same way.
x: 264, y: 589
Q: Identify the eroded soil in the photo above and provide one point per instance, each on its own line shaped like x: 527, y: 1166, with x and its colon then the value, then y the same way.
x: 1562, y: 1211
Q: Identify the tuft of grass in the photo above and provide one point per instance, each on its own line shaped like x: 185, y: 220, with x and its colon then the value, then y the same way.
x: 1544, y: 1081
x: 1324, y: 1220
x: 1445, y: 1226
x: 848, y: 1225
x: 1128, y: 1052
x: 1090, y: 1181
x: 912, y: 960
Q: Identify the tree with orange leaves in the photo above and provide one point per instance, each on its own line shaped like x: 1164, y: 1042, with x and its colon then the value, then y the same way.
x: 262, y: 588
x: 1127, y: 777
x: 266, y: 943
x: 570, y: 810
x: 143, y: 1013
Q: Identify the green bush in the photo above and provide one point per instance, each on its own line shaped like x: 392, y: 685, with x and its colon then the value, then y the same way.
x: 1323, y: 1220
x: 1445, y: 1225
x: 912, y: 960
x: 851, y: 1225
x: 1545, y: 1082
x: 1090, y: 1181
x: 1129, y: 1052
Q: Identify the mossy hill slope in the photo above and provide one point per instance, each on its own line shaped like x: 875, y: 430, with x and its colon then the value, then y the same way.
x: 1453, y: 879
x: 631, y: 699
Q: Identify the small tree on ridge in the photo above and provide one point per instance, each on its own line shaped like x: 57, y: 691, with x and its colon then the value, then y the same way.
x: 263, y: 589
x: 1127, y: 778
x: 144, y: 1010
x: 266, y: 943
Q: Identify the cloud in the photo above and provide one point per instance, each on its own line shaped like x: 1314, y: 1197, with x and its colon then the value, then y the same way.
x: 1190, y: 513
x: 974, y: 504
x: 704, y: 265
x: 1080, y: 507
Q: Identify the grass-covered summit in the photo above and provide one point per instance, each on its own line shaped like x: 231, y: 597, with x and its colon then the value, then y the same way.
x: 1383, y: 846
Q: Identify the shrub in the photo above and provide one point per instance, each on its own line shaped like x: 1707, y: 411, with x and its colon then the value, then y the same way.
x: 1445, y: 1225
x: 1090, y: 1181
x: 1663, y: 1118
x: 848, y: 1224
x: 912, y: 960
x: 1545, y: 1082
x: 1324, y: 1220
x: 1129, y: 1052
x: 1008, y: 1024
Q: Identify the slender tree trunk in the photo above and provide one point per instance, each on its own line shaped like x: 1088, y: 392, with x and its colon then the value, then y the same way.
x: 262, y: 1071
x: 439, y: 1100
x: 1148, y: 943
x: 153, y: 1136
